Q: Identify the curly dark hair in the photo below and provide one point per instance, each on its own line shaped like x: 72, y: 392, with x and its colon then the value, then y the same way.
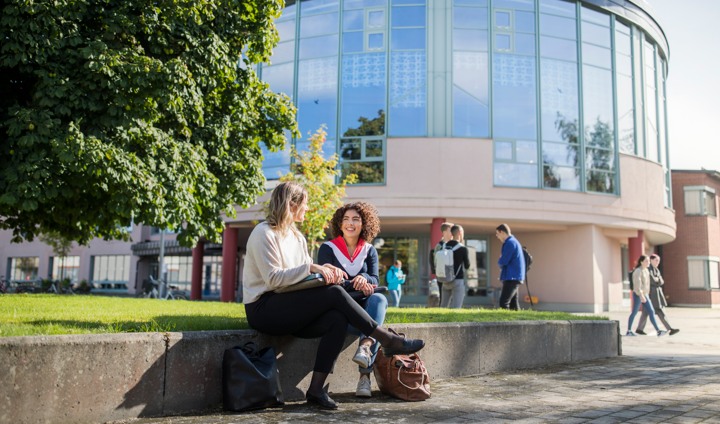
x: 368, y: 214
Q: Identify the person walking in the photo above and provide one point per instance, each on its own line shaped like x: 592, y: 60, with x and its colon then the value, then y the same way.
x: 277, y: 256
x: 453, y: 293
x: 641, y: 288
x: 354, y: 226
x: 395, y: 279
x: 512, y: 267
x: 657, y: 297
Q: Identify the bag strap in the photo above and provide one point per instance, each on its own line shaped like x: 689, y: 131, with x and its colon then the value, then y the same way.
x: 419, y: 363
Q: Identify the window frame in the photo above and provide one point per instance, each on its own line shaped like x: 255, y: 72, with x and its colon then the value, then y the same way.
x: 710, y: 281
x: 706, y: 209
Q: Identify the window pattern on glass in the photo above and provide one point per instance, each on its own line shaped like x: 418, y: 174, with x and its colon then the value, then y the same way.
x: 110, y: 271
x: 514, y: 118
x: 24, y: 268
x: 363, y: 156
x: 65, y: 267
x: 624, y: 96
x: 598, y: 107
x: 408, y: 69
x: 700, y: 200
x: 703, y: 272
x: 470, y: 95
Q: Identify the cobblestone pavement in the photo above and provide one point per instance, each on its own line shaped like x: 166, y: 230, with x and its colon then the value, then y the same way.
x: 657, y: 380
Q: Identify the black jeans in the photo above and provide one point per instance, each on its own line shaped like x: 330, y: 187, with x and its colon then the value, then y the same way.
x: 323, y: 312
x: 509, y: 295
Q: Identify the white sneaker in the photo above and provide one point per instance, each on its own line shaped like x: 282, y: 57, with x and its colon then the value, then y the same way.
x: 363, y: 356
x: 662, y: 333
x: 364, y: 386
x: 630, y: 334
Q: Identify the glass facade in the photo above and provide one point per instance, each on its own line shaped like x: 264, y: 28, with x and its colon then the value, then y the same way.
x: 561, y: 87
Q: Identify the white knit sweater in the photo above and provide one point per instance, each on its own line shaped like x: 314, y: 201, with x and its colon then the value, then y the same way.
x: 273, y: 260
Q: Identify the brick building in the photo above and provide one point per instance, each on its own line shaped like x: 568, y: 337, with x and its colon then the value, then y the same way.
x: 690, y: 263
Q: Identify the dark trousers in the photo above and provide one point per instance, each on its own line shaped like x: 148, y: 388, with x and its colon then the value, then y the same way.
x: 660, y: 314
x: 323, y: 312
x: 509, y: 295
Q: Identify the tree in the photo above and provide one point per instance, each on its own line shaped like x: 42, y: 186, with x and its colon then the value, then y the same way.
x: 317, y: 174
x: 61, y: 247
x: 115, y: 112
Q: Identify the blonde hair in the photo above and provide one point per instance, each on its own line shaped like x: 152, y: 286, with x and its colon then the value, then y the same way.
x: 283, y: 198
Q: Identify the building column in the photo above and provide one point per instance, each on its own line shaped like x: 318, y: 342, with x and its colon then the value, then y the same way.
x: 435, y: 234
x: 198, y: 253
x: 636, y: 248
x: 229, y: 265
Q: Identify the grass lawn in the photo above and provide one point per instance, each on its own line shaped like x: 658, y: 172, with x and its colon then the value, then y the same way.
x: 49, y: 314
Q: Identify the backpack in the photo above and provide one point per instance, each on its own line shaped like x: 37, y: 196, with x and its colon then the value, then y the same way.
x: 528, y: 259
x: 444, y: 264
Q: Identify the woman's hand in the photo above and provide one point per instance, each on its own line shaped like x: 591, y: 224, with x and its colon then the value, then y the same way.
x: 642, y: 298
x: 331, y: 274
x: 361, y: 283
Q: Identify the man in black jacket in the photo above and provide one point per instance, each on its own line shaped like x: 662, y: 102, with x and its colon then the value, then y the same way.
x: 453, y: 293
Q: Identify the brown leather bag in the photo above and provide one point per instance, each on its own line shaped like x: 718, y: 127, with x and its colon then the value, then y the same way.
x: 402, y: 376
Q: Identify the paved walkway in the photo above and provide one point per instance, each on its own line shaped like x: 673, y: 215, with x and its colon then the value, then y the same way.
x: 657, y: 380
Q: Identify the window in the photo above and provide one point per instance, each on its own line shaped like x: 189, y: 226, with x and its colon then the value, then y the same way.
x: 110, y: 271
x: 703, y: 272
x: 24, y: 269
x: 700, y: 200
x: 364, y: 157
x: 65, y: 267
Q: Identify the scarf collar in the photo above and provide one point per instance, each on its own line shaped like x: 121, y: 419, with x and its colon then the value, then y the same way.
x: 352, y: 264
x: 339, y: 242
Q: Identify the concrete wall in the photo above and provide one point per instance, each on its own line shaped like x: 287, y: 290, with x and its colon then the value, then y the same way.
x: 98, y: 378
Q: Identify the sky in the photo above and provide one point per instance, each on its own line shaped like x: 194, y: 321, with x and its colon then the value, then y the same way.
x: 692, y: 28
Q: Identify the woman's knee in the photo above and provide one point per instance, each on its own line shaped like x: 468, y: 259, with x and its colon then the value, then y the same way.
x: 377, y: 300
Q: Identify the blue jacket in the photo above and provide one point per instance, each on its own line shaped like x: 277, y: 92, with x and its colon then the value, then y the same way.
x: 394, y: 278
x: 512, y: 261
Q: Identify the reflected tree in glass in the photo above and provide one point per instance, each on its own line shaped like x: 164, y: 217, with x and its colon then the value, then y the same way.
x: 375, y: 126
x: 599, y: 158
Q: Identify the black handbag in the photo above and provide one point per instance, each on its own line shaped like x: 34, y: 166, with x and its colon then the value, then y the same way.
x: 250, y: 378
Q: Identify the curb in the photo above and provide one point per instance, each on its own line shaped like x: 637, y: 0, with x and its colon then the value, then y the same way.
x: 98, y: 378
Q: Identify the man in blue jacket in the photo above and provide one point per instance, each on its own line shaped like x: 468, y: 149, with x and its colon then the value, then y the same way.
x: 512, y: 267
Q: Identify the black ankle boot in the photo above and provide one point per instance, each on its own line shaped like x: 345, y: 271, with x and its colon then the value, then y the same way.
x: 323, y: 400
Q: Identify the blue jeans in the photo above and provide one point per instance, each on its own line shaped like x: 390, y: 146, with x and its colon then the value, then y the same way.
x: 647, y: 307
x: 395, y: 296
x: 376, y: 306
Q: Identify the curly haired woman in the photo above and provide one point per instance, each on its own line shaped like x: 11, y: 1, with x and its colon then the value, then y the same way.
x: 353, y: 227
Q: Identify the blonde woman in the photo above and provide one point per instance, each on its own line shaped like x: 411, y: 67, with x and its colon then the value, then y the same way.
x: 277, y: 256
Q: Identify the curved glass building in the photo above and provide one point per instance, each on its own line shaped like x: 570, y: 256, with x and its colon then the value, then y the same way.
x: 547, y: 115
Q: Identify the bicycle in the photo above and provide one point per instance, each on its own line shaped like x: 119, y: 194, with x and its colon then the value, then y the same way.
x: 58, y: 287
x: 151, y: 290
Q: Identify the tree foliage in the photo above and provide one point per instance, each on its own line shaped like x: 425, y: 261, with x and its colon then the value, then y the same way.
x: 150, y: 112
x: 317, y: 174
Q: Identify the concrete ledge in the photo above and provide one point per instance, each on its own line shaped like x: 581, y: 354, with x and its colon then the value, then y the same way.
x: 98, y: 378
